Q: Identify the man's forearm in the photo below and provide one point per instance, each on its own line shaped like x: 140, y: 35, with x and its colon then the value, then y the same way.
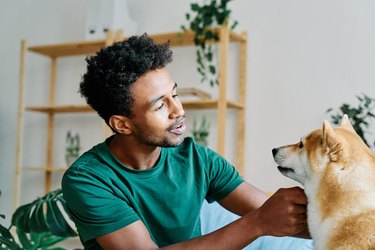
x: 235, y: 235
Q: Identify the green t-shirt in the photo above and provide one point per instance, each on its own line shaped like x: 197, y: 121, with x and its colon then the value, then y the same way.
x: 103, y: 195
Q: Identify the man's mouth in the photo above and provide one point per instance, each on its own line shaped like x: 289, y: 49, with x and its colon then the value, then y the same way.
x: 179, y: 128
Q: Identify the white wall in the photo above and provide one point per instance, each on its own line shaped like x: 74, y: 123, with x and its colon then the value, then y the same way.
x: 303, y: 57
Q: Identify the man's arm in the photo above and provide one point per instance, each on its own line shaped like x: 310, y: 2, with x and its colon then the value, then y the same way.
x: 282, y: 214
x: 236, y: 235
x: 278, y: 212
x: 243, y: 199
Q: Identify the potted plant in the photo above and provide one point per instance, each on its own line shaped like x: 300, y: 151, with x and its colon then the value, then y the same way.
x: 360, y: 116
x: 201, y: 132
x: 39, y: 224
x: 201, y: 20
x: 72, y: 147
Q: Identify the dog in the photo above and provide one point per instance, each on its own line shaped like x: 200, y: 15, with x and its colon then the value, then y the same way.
x: 337, y: 170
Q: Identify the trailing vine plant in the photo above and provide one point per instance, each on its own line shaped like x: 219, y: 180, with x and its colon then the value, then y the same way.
x: 360, y: 116
x: 202, y: 19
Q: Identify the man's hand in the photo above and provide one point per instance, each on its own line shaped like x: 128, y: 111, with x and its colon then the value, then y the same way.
x: 284, y: 213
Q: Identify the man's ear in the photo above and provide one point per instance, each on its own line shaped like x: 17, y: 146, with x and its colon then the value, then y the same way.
x: 121, y: 124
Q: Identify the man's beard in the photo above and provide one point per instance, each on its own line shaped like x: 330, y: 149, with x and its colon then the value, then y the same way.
x: 156, y: 141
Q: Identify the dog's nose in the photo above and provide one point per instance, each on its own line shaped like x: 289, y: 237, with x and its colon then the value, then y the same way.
x: 274, y: 151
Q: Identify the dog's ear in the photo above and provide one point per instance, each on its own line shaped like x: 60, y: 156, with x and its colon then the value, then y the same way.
x: 345, y: 123
x: 330, y: 142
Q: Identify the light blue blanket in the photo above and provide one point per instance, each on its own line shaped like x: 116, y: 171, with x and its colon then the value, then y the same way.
x: 214, y: 216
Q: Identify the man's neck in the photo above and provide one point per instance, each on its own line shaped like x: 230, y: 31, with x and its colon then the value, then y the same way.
x: 133, y: 154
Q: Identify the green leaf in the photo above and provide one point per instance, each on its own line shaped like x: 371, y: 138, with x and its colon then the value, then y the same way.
x: 212, y: 69
x: 38, y: 221
x: 201, y: 71
x: 56, y: 221
x: 12, y: 245
x: 209, y: 56
x: 234, y: 25
x: 195, y: 7
x: 49, y: 239
x: 209, y: 35
x: 4, y: 232
x: 24, y: 239
x: 21, y: 217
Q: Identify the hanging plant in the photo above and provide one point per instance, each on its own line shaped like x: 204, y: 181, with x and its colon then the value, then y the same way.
x: 202, y: 20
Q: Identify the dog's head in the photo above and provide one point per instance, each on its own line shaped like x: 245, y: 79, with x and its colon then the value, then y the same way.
x: 336, y: 148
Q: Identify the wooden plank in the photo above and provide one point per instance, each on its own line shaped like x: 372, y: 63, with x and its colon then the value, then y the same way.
x: 235, y: 37
x: 81, y: 108
x: 51, y: 125
x: 44, y: 169
x: 175, y: 38
x: 20, y: 126
x: 222, y: 103
x: 69, y: 49
x: 241, y: 117
x: 91, y: 46
x: 61, y: 108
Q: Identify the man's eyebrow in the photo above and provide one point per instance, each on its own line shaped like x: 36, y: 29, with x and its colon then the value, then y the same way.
x: 153, y: 101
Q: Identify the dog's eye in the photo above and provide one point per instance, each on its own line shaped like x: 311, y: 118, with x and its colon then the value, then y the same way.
x: 300, y: 144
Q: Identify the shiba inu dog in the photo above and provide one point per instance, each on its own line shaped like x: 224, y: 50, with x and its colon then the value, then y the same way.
x: 337, y: 171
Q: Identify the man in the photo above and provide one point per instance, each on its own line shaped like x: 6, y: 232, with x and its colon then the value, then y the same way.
x: 143, y: 187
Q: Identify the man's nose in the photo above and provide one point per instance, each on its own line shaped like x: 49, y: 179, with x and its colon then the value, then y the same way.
x: 177, y: 109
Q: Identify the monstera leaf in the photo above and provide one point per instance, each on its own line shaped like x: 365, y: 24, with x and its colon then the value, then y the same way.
x: 39, y: 224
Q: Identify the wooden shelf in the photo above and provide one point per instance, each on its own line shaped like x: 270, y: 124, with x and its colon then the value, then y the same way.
x: 199, y: 100
x: 61, y: 108
x: 200, y: 104
x: 43, y: 169
x: 89, y: 47
x: 69, y: 49
x: 209, y: 104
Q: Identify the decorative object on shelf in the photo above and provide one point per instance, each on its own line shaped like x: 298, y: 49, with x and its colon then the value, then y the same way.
x: 201, y: 132
x: 39, y: 224
x: 359, y: 116
x: 212, y: 13
x: 73, y: 146
x: 105, y: 15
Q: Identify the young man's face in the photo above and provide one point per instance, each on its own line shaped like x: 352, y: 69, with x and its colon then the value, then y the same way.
x: 158, y: 117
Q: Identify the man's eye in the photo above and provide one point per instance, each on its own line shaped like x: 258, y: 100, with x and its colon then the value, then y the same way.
x: 300, y: 144
x: 175, y: 95
x: 160, y: 107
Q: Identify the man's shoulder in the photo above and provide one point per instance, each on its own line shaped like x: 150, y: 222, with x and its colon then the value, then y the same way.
x: 89, y: 161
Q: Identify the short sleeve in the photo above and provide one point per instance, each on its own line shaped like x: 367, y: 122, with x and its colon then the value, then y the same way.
x: 223, y: 177
x: 93, y: 205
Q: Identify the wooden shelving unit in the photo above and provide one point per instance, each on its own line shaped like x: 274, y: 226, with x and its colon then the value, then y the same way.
x: 55, y: 51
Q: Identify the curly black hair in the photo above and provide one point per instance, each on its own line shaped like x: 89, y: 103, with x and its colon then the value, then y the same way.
x: 106, y: 85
